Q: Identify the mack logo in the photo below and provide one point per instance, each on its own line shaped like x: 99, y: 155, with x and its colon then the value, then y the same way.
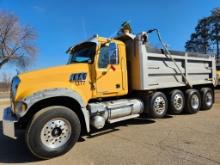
x: 78, y: 77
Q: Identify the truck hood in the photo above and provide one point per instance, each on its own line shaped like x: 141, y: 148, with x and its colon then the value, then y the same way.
x: 58, y: 73
x: 54, y: 77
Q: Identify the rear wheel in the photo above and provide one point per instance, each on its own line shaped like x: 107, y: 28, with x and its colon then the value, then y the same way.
x: 177, y: 101
x: 193, y: 101
x: 158, y: 105
x: 52, y: 132
x: 207, y: 98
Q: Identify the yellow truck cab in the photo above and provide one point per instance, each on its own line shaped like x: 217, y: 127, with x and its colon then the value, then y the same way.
x: 106, y: 80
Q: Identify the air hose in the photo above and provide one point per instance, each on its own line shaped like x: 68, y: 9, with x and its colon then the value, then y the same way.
x: 167, y: 53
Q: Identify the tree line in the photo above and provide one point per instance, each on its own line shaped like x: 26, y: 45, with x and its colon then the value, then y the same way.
x: 206, y: 37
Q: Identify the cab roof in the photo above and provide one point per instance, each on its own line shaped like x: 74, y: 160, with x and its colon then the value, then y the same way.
x: 96, y: 39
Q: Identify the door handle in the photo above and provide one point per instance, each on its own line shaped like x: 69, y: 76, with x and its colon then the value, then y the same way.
x: 117, y: 86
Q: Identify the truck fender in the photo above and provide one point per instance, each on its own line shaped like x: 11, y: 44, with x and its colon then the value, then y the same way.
x: 57, y: 92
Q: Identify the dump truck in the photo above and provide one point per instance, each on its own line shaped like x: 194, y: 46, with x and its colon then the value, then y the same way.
x: 106, y: 80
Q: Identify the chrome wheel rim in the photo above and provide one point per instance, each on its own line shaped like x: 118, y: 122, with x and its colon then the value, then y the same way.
x: 209, y: 99
x: 178, y: 102
x: 56, y: 132
x: 195, y: 101
x: 159, y: 105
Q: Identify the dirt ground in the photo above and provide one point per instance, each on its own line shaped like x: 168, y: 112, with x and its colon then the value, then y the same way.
x: 181, y: 139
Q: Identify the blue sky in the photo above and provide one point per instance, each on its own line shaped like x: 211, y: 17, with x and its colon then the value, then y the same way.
x: 62, y: 23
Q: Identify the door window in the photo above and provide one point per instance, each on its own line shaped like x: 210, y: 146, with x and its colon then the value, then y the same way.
x: 108, y: 55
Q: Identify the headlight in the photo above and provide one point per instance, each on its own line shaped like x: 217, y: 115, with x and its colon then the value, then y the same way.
x: 20, y: 108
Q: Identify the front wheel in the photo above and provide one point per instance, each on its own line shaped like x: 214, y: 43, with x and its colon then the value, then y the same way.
x: 52, y: 132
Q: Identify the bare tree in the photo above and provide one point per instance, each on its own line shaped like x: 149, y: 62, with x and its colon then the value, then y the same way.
x: 6, y: 78
x: 5, y: 82
x: 16, y: 41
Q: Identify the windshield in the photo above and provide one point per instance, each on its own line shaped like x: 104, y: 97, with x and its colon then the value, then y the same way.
x: 83, y: 53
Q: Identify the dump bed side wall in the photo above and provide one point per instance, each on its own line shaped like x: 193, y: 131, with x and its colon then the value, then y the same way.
x: 152, y: 70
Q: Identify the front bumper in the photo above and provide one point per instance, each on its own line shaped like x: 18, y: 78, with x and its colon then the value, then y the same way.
x: 9, y: 120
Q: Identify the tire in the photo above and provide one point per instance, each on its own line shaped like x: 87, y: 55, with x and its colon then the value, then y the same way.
x: 53, y: 131
x: 177, y: 101
x: 158, y: 105
x: 207, y: 98
x: 193, y: 101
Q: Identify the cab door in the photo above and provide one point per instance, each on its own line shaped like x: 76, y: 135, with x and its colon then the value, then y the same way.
x: 108, y: 71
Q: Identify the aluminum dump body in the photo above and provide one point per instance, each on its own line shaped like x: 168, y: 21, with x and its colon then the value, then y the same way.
x: 150, y: 68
